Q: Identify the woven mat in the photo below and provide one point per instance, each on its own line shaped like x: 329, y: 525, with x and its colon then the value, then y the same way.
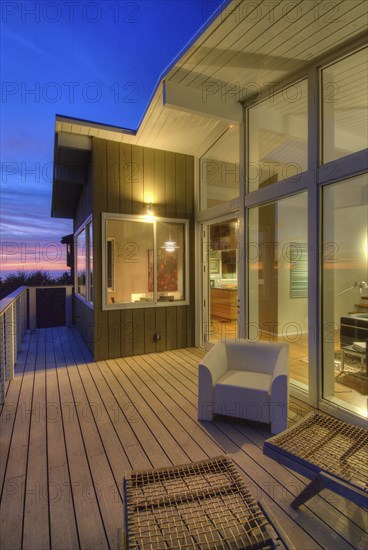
x: 321, y: 442
x: 202, y: 505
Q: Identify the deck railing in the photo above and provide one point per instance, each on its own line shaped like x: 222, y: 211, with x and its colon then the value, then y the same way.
x: 18, y: 312
x: 13, y: 324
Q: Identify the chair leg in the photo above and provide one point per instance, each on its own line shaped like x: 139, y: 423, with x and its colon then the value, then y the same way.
x: 311, y: 490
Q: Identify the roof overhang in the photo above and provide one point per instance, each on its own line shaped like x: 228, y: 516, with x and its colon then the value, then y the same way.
x: 71, y: 158
x: 245, y: 50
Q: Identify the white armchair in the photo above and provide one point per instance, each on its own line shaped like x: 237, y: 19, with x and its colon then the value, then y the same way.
x: 245, y: 379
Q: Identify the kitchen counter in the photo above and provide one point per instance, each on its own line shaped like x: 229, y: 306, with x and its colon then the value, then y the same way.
x: 224, y: 288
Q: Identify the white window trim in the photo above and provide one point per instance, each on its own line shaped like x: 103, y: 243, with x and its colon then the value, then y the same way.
x: 105, y: 216
x: 88, y: 300
x: 112, y: 287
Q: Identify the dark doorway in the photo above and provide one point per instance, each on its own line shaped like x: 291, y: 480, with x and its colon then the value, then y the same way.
x: 50, y: 307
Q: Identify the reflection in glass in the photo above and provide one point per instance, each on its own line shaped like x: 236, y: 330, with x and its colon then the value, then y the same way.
x: 81, y: 263
x: 345, y: 293
x: 133, y: 242
x: 344, y: 106
x: 277, y: 137
x: 170, y: 261
x: 90, y: 258
x: 220, y: 175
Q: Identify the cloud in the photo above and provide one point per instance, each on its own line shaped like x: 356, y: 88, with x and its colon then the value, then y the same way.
x: 27, y: 43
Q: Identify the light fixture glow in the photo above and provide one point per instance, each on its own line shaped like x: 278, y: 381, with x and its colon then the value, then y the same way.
x: 170, y: 246
x: 149, y: 214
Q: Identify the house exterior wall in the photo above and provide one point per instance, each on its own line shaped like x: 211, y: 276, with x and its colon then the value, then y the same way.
x: 84, y: 321
x: 125, y: 178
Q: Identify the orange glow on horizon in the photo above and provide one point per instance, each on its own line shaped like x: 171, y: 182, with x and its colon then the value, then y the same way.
x: 33, y: 266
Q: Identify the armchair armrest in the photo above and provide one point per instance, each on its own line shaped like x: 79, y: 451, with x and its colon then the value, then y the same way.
x: 215, y: 361
x: 210, y: 370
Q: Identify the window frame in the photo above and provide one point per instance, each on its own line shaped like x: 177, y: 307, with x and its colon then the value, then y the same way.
x: 86, y: 225
x: 296, y: 180
x: 313, y: 181
x: 105, y: 216
x: 321, y: 122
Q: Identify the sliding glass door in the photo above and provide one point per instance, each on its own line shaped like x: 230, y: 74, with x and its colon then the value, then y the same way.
x: 345, y: 294
x: 278, y: 279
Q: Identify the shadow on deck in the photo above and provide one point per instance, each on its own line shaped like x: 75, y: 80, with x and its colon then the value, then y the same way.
x: 71, y: 428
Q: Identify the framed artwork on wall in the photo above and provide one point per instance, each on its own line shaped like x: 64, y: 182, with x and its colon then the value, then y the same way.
x: 214, y: 267
x: 298, y: 270
x: 167, y: 271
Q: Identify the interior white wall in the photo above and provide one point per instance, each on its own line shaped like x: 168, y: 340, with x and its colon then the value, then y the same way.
x: 350, y: 235
x: 292, y: 227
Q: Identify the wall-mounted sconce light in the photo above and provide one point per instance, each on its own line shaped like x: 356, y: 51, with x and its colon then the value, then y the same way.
x: 149, y: 213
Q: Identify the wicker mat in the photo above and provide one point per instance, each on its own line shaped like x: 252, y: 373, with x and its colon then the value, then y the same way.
x: 324, y: 443
x: 202, y: 505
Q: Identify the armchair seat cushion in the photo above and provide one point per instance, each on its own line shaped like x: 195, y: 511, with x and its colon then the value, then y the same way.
x: 243, y: 394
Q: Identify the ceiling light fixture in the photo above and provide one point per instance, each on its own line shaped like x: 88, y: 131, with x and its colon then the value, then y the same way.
x: 170, y: 246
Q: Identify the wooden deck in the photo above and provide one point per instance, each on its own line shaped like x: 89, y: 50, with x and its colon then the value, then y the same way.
x: 71, y: 428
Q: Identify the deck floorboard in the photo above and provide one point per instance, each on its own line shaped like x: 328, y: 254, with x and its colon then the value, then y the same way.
x: 71, y: 428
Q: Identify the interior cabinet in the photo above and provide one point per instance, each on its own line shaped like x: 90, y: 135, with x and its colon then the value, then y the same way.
x: 224, y: 304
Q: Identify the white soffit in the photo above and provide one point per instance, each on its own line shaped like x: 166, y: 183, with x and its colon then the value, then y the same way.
x: 249, y: 46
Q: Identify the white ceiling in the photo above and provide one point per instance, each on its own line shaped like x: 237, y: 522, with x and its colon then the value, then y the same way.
x: 248, y: 45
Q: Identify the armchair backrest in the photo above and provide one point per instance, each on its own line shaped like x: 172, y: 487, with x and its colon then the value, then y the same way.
x: 265, y: 357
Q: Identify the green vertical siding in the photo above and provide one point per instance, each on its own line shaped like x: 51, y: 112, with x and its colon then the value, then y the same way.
x: 125, y: 177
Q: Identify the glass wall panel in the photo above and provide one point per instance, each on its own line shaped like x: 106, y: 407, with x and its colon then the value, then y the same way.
x: 90, y: 261
x: 345, y: 293
x: 132, y: 252
x: 219, y: 168
x: 81, y: 263
x: 278, y: 279
x: 277, y: 137
x: 344, y: 106
x: 170, y: 261
x: 145, y: 261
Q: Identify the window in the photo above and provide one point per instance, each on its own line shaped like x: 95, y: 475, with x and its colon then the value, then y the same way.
x: 145, y: 261
x: 345, y: 293
x: 84, y: 262
x: 277, y: 137
x: 278, y: 305
x: 219, y: 168
x: 344, y: 106
x: 81, y: 263
x: 297, y: 243
x: 90, y: 261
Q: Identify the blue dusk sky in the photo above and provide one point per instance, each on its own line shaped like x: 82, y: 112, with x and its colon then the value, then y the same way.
x: 98, y: 61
